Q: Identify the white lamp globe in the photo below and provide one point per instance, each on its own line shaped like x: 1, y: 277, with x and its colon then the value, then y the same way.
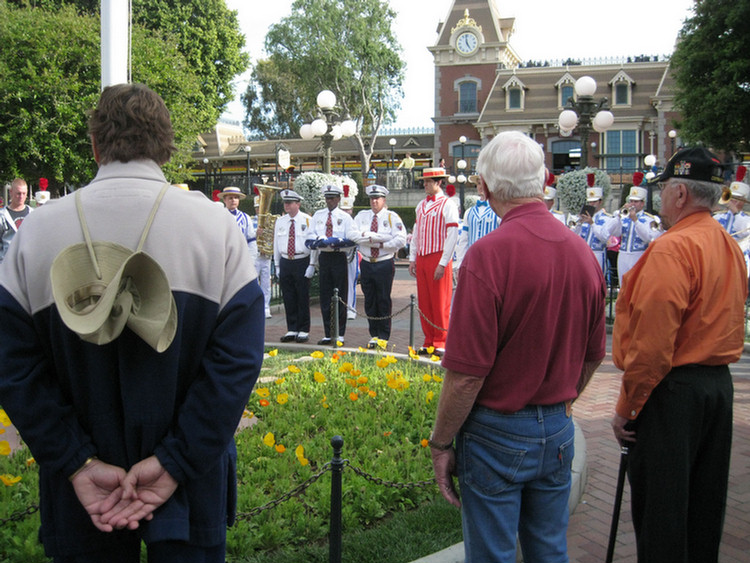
x: 461, y: 178
x: 585, y: 86
x: 306, y: 132
x: 461, y: 164
x: 566, y: 132
x: 451, y: 179
x: 650, y: 176
x: 462, y: 139
x: 649, y: 160
x: 326, y: 99
x: 603, y: 121
x: 348, y: 128
x: 319, y: 127
x: 336, y: 132
x: 568, y: 119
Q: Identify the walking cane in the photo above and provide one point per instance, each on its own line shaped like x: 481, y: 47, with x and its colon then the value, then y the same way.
x: 618, y: 502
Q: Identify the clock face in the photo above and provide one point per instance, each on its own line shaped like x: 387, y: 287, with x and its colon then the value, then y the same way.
x: 467, y: 43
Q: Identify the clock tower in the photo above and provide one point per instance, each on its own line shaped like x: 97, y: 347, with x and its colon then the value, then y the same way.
x: 472, y: 43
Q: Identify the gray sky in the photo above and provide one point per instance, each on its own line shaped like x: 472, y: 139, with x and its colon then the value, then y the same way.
x: 544, y: 29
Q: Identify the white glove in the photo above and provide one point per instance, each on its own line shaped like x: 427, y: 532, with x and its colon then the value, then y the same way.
x: 310, y: 272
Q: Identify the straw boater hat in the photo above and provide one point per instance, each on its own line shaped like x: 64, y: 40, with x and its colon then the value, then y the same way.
x: 231, y: 190
x: 434, y: 173
x: 593, y: 193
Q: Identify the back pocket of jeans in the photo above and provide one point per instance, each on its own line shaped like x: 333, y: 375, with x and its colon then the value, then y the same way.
x: 565, y: 453
x: 489, y: 467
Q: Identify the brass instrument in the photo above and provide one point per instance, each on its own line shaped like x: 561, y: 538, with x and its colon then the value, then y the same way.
x: 266, y: 221
x: 726, y: 196
x: 625, y: 210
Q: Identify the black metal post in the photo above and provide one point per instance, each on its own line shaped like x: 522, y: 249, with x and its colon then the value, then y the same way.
x: 335, y: 529
x: 249, y: 183
x: 335, y: 314
x: 412, y: 321
x: 618, y: 503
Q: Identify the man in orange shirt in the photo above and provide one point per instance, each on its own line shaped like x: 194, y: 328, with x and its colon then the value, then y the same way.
x: 679, y: 323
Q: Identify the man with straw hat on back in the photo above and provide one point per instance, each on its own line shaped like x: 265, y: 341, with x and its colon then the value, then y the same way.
x: 132, y: 331
x: 231, y: 197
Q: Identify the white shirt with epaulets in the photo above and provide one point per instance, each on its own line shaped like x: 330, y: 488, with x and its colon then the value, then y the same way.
x: 389, y: 225
x: 302, y: 227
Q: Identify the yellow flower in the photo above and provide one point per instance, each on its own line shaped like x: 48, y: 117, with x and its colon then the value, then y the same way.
x: 282, y: 398
x: 294, y: 369
x: 413, y: 355
x: 430, y: 396
x: 430, y: 349
x: 280, y: 380
x: 362, y: 380
x: 273, y: 352
x: 364, y: 389
x: 372, y: 393
x: 382, y: 343
x: 382, y: 363
x: 339, y: 343
x: 29, y: 462
x: 353, y: 396
x: 434, y: 358
x: 355, y: 373
x: 360, y: 349
x: 346, y: 366
x: 426, y: 377
x: 334, y: 359
x: 324, y: 402
x: 424, y: 442
x: 300, y: 453
x: 263, y: 392
x: 437, y: 378
x: 317, y: 354
x: 247, y: 414
x: 351, y: 382
x: 319, y: 377
x: 269, y: 439
x: 398, y: 383
x: 4, y: 447
x: 391, y: 359
x: 4, y: 419
x: 280, y: 448
x: 9, y: 480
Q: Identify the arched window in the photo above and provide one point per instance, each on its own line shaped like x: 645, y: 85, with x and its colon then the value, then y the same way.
x: 467, y: 97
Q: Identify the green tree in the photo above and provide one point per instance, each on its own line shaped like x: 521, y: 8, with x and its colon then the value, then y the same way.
x: 712, y: 73
x: 346, y: 46
x: 49, y: 80
x: 206, y: 32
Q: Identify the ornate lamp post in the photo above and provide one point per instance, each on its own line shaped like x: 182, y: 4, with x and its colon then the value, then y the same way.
x: 247, y: 149
x: 329, y: 128
x: 584, y: 113
x: 672, y: 135
x: 461, y: 165
x: 649, y: 162
x: 392, y: 142
x: 205, y: 184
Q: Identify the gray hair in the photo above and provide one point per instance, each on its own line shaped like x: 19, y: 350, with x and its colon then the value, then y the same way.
x: 704, y: 193
x: 512, y: 166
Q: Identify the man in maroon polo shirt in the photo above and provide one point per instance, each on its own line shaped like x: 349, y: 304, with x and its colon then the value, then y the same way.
x: 526, y: 334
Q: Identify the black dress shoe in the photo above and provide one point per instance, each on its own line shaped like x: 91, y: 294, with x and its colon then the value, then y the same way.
x: 302, y: 338
x: 289, y: 337
x: 423, y: 351
x: 324, y: 342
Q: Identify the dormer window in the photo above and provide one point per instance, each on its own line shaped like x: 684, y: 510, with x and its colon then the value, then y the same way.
x: 622, y: 90
x: 515, y: 94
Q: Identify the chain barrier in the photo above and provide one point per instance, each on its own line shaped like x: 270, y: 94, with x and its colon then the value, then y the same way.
x: 430, y: 322
x: 20, y: 515
x: 354, y: 310
x: 295, y: 492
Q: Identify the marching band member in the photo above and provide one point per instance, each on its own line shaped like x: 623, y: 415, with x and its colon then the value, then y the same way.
x: 596, y: 227
x: 380, y: 234
x: 734, y: 220
x: 430, y: 258
x: 636, y: 228
x: 292, y: 260
x: 328, y: 241
x: 549, y: 198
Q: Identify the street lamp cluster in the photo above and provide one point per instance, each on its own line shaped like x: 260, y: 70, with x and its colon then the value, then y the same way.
x: 330, y: 127
x: 584, y: 113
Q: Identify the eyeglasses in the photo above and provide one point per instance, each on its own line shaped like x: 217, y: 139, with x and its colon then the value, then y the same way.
x: 663, y: 185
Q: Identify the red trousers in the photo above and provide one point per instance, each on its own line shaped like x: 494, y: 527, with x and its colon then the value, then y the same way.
x: 434, y: 299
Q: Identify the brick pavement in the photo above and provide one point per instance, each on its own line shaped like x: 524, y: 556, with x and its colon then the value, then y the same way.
x: 589, y: 525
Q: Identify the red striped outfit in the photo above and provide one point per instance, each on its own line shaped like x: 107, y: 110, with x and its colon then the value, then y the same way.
x: 432, y: 245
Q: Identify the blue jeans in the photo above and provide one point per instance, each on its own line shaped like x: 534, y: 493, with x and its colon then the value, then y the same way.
x: 514, y: 473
